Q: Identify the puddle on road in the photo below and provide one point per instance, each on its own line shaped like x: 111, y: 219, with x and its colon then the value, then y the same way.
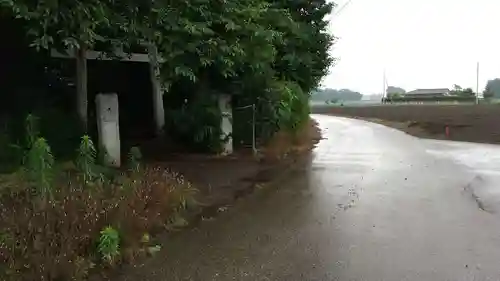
x: 483, y: 163
x: 478, y: 158
x: 485, y: 193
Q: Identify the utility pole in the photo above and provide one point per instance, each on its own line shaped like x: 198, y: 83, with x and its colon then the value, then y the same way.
x: 477, y: 83
x: 384, y: 89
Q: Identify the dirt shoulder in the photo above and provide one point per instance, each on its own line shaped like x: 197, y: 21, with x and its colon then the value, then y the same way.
x: 421, y: 130
x: 73, y: 220
x: 222, y: 181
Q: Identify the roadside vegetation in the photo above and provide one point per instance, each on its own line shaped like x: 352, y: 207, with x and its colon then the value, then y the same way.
x: 60, y: 221
x: 266, y: 53
x: 63, y: 215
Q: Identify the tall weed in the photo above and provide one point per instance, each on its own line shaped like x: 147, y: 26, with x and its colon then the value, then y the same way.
x: 109, y: 244
x: 53, y: 227
x: 86, y: 159
x: 39, y: 166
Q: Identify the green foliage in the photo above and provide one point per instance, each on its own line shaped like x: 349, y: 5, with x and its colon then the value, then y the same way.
x: 32, y: 130
x: 18, y: 133
x: 239, y: 47
x: 196, y: 124
x: 62, y: 131
x: 58, y: 240
x: 434, y: 99
x: 468, y: 92
x: 38, y: 161
x: 304, y: 56
x: 10, y: 155
x: 488, y: 92
x: 462, y: 92
x: 395, y: 90
x: 392, y: 96
x: 456, y: 88
x: 334, y: 101
x: 75, y: 23
x: 493, y: 87
x: 294, y: 108
x: 109, y: 244
x: 13, y: 152
x: 39, y: 165
x: 224, y: 36
x: 134, y: 158
x: 327, y: 94
x: 86, y: 159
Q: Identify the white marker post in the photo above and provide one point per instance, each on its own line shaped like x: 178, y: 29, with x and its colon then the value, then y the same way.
x: 226, y: 124
x: 108, y: 128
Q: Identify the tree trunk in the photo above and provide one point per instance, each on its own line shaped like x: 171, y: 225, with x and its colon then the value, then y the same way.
x: 81, y: 87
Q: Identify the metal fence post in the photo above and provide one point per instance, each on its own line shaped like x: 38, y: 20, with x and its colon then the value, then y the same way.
x: 254, y: 125
x: 254, y: 148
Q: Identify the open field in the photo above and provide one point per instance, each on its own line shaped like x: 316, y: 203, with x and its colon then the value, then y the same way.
x: 474, y: 123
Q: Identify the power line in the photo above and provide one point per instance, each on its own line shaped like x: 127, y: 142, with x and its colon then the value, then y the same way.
x: 384, y: 91
x: 342, y: 8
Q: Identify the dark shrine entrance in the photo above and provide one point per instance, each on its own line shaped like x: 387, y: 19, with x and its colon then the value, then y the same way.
x: 132, y: 83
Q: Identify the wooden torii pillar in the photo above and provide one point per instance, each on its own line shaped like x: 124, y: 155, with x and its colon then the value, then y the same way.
x: 82, y: 55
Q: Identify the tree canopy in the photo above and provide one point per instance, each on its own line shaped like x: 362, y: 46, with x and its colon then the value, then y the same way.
x: 395, y: 90
x: 272, y: 53
x: 229, y: 36
x: 492, y: 89
x: 332, y: 95
x: 463, y: 92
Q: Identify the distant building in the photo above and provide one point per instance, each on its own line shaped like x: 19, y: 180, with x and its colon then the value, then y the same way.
x: 429, y: 93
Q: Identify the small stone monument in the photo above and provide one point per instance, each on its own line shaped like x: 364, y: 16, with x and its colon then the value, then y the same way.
x: 108, y: 127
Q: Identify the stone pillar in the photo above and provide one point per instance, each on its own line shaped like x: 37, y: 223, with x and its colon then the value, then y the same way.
x: 154, y: 70
x: 81, y: 87
x: 108, y: 128
x: 226, y: 124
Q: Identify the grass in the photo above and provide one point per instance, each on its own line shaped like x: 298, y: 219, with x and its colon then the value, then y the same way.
x: 285, y: 143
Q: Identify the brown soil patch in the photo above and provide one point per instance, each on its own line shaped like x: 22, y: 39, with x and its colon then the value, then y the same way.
x: 473, y: 123
x: 221, y: 180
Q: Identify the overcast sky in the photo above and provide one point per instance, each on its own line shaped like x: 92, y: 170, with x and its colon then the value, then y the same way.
x: 420, y: 43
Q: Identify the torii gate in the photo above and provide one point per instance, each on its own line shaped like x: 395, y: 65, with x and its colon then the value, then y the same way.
x: 82, y: 56
x: 153, y: 59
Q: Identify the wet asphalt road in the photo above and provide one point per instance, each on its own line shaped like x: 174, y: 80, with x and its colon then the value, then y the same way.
x: 372, y: 204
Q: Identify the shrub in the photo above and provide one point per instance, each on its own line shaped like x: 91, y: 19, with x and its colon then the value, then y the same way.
x: 68, y: 235
x: 39, y: 164
x: 56, y: 241
x: 196, y: 124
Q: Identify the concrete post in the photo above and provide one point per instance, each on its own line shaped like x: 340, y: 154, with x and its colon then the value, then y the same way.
x: 81, y: 87
x: 154, y: 69
x: 226, y: 124
x: 108, y: 128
